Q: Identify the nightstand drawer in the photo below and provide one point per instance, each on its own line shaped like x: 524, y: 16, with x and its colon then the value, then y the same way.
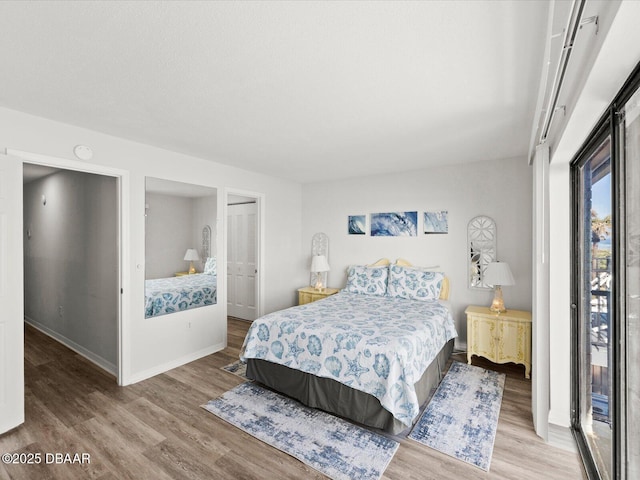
x: 310, y: 294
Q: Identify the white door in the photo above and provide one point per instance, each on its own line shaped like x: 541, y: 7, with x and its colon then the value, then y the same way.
x: 242, y: 267
x: 11, y: 295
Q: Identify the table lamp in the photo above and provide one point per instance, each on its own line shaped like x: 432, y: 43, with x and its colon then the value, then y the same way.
x: 498, y: 274
x: 319, y: 265
x: 191, y: 256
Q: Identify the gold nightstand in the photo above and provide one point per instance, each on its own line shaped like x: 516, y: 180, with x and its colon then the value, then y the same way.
x: 310, y: 294
x: 181, y: 274
x: 500, y: 338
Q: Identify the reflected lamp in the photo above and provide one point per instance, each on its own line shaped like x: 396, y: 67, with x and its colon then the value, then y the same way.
x: 191, y: 256
x: 498, y: 274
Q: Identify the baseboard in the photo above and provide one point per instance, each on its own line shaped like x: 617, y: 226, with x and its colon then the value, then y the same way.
x: 561, y: 437
x: 157, y: 370
x: 460, y: 346
x: 97, y: 360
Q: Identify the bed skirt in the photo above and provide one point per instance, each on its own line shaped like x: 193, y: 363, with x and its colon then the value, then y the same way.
x: 339, y: 399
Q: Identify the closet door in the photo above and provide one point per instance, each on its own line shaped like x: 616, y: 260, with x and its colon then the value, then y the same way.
x: 11, y: 295
x: 242, y: 267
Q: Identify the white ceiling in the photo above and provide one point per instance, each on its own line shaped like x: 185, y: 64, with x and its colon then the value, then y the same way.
x: 308, y: 91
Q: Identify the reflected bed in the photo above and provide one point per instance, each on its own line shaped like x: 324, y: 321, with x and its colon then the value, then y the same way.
x: 175, y: 294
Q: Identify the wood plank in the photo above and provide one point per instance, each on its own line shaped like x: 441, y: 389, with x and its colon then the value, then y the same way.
x: 119, y: 456
x: 205, y: 444
x: 180, y: 461
x: 157, y: 429
x: 126, y: 426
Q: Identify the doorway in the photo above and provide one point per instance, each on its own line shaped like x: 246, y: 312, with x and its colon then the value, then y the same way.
x: 606, y: 291
x: 243, y: 256
x: 70, y: 258
x: 596, y: 304
x: 12, y: 392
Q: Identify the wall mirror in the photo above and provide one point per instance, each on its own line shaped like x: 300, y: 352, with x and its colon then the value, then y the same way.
x: 481, y: 244
x: 319, y: 271
x: 180, y: 246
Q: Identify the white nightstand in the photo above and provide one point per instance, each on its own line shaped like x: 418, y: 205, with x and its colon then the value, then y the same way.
x: 501, y: 338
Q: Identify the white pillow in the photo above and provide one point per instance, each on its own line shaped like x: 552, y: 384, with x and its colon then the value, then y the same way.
x: 414, y: 283
x: 367, y: 280
x: 211, y: 266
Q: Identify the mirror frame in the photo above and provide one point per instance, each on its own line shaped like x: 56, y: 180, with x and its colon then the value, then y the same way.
x: 481, y: 249
x: 201, y: 238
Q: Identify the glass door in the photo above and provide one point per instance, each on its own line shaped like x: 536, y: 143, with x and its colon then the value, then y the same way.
x: 595, y: 306
x: 606, y: 293
x: 630, y: 314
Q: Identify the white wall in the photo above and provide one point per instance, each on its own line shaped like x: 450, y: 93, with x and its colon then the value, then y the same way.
x: 500, y: 189
x: 157, y: 344
x: 174, y: 223
x: 168, y: 234
x: 70, y: 262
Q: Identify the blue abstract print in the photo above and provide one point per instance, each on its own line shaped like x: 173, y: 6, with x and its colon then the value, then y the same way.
x: 357, y: 224
x: 394, y: 224
x: 436, y: 222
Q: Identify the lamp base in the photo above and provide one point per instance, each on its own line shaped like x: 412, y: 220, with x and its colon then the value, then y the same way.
x: 192, y: 269
x: 319, y: 283
x: 497, y: 306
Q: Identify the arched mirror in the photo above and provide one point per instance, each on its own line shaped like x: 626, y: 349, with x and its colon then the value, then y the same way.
x: 481, y: 244
x: 180, y: 258
x: 319, y: 271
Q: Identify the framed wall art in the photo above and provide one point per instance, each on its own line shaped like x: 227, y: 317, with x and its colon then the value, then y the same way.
x: 357, y: 225
x: 436, y: 222
x: 394, y: 224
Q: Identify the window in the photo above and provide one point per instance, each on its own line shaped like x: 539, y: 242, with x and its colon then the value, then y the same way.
x: 606, y: 291
x: 594, y: 328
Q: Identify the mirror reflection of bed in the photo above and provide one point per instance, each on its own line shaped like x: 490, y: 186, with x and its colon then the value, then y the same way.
x: 180, y: 249
x: 371, y: 353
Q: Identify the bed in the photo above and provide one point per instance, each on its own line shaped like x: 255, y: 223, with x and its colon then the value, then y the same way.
x: 371, y: 353
x: 170, y: 295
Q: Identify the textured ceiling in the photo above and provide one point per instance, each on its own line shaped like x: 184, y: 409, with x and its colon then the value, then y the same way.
x: 302, y: 90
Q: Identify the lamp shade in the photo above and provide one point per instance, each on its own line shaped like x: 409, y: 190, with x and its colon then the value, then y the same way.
x: 319, y: 264
x: 191, y: 255
x: 498, y: 273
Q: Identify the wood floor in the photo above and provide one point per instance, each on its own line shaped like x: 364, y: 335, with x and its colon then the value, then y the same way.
x: 156, y: 429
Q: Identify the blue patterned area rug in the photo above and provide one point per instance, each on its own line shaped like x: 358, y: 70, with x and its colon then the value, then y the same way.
x: 462, y: 417
x: 334, y: 447
x: 238, y: 368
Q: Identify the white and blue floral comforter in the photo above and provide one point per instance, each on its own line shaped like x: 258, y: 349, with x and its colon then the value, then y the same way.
x: 377, y: 344
x: 169, y: 295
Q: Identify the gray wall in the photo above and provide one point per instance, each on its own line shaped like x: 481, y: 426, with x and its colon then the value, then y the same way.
x: 500, y: 189
x: 173, y: 224
x: 71, y: 261
x: 204, y: 213
x: 168, y: 234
